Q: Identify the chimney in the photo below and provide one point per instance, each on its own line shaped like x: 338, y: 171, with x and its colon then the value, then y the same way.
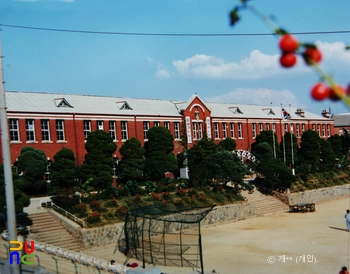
x: 300, y: 112
x: 325, y: 113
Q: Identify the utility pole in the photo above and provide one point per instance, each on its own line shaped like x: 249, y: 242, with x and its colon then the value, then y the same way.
x: 6, y: 156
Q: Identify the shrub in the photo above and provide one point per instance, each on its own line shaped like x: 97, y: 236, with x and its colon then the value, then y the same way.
x: 155, y: 196
x: 164, y: 203
x: 166, y: 195
x: 95, y: 205
x: 121, y: 212
x: 181, y: 192
x: 94, y: 217
x: 112, y: 203
x: 80, y: 210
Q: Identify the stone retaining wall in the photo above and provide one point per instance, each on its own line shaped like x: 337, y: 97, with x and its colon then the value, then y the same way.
x: 109, y: 234
x: 314, y: 196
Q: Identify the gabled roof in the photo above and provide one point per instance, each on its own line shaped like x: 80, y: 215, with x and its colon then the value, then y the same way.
x: 35, y: 102
x: 342, y: 120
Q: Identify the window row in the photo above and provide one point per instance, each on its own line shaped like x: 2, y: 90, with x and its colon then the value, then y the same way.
x: 113, y: 126
x: 30, y: 130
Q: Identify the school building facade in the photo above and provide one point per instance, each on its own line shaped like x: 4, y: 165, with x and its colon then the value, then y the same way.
x: 50, y: 121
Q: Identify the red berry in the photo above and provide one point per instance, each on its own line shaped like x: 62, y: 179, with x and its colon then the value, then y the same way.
x: 335, y: 96
x: 320, y: 92
x: 288, y: 43
x: 288, y: 60
x: 312, y: 55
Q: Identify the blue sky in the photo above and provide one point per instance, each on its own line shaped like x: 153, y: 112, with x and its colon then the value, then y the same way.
x: 232, y: 69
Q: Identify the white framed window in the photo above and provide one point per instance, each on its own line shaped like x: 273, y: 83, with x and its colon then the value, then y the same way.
x: 232, y: 130
x: 60, y: 130
x: 124, y: 130
x: 319, y: 129
x: 197, y: 128
x: 194, y: 129
x: 87, y: 128
x: 45, y: 130
x: 286, y: 128
x: 240, y: 132
x: 112, y: 130
x: 145, y: 129
x: 323, y: 130
x: 224, y: 130
x: 254, y: 130
x: 156, y: 124
x: 167, y: 125
x: 200, y: 130
x: 216, y: 130
x: 261, y: 127
x: 328, y: 130
x: 267, y: 126
x: 99, y: 125
x: 14, y: 130
x: 30, y: 130
x: 274, y: 127
x: 298, y: 130
x: 176, y: 130
x: 302, y: 128
x: 313, y: 127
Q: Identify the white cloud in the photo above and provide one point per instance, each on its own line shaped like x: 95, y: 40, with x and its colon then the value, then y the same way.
x: 163, y: 73
x: 257, y: 96
x: 150, y: 60
x: 258, y: 65
x: 334, y: 55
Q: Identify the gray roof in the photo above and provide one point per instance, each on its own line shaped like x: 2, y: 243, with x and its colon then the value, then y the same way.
x: 87, y: 104
x: 342, y: 120
x: 92, y: 104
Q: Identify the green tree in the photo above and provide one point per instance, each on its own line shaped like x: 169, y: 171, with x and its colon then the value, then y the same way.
x: 226, y: 166
x: 159, y: 153
x: 32, y: 164
x: 63, y: 169
x: 98, y: 160
x: 21, y: 199
x: 132, y: 163
x: 274, y: 174
x: 289, y: 140
x: 309, y: 151
x: 227, y: 144
x: 198, y: 161
x: 270, y: 137
x: 327, y: 156
x: 263, y: 151
x: 337, y: 145
x: 345, y: 138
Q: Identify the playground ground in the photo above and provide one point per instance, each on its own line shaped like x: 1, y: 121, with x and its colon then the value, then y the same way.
x: 316, y: 242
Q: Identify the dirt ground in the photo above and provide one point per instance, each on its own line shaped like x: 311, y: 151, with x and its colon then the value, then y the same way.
x: 315, y: 242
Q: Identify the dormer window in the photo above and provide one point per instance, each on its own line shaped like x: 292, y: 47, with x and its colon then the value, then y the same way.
x: 124, y: 105
x: 268, y: 111
x: 235, y: 110
x: 62, y: 102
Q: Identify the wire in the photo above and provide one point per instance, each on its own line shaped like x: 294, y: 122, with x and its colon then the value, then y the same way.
x: 169, y: 34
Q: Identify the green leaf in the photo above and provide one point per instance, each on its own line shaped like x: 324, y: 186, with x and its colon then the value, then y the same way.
x: 281, y: 32
x: 307, y: 45
x: 234, y: 17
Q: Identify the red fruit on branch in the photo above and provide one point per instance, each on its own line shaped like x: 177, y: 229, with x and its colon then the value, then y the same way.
x: 288, y: 44
x: 335, y: 96
x: 288, y: 60
x: 320, y: 92
x: 312, y: 55
x: 348, y: 90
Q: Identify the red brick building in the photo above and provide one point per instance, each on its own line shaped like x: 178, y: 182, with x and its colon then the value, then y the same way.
x: 51, y: 121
